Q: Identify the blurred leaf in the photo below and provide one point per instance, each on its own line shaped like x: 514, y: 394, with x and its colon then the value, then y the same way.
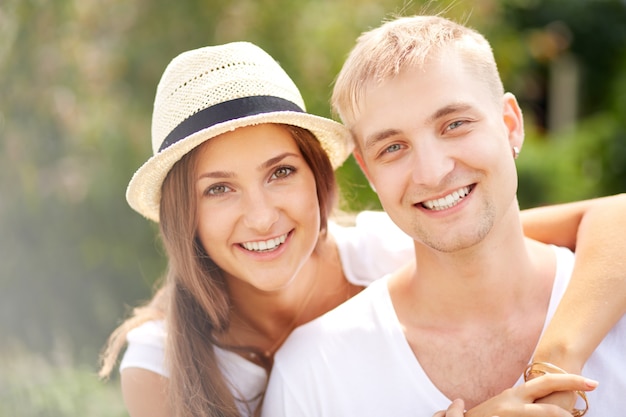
x: 76, y: 90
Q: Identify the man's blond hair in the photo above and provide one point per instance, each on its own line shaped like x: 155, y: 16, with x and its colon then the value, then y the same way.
x: 383, y: 52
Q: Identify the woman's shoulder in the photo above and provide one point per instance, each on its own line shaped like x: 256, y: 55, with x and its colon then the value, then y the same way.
x: 370, y: 246
x: 146, y: 348
x: 368, y: 223
x: 152, y: 332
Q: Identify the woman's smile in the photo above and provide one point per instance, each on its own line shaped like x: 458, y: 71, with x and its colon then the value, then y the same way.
x: 264, y: 245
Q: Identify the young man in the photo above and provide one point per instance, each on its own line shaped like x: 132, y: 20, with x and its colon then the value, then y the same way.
x: 437, y: 137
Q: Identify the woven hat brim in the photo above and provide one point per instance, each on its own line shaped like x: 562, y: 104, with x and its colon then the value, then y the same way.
x: 144, y: 190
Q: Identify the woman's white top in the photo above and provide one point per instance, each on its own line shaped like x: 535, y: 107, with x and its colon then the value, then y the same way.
x: 370, y: 249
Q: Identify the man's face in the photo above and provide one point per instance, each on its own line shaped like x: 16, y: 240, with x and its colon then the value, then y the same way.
x: 436, y: 145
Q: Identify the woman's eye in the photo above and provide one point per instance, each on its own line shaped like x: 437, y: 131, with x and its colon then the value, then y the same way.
x: 283, y: 172
x: 217, y: 189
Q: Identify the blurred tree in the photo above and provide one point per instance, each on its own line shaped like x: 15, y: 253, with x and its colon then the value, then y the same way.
x: 71, y: 134
x: 76, y: 89
x: 571, y: 81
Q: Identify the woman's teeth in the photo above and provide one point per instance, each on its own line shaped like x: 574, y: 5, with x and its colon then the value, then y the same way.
x: 265, y: 245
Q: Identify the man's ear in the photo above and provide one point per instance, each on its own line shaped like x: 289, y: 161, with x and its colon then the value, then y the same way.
x: 513, y: 119
x: 361, y: 162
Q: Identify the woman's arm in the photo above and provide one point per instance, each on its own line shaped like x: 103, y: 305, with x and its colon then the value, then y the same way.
x: 596, y: 297
x: 145, y: 393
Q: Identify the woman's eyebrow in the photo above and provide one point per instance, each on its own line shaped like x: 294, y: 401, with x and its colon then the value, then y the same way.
x: 229, y: 174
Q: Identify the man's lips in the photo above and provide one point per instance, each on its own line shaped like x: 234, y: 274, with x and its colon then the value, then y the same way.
x: 449, y: 200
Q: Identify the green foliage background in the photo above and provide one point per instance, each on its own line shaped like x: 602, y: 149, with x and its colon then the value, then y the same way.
x: 77, y: 80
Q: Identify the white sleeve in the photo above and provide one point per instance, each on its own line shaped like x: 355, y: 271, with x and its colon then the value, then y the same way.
x: 372, y: 248
x: 146, y: 348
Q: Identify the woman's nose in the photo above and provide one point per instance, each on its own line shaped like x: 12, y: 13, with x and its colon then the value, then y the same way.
x: 260, y: 212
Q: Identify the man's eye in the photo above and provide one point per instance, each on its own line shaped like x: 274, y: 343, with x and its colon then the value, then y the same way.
x: 455, y: 125
x: 392, y: 148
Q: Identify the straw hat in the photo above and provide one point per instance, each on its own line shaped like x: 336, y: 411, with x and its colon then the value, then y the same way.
x: 209, y: 91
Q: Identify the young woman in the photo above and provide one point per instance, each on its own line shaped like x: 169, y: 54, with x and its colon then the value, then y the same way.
x: 242, y: 185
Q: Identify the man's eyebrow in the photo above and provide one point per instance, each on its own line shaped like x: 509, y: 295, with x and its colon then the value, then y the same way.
x: 449, y: 109
x: 373, y: 139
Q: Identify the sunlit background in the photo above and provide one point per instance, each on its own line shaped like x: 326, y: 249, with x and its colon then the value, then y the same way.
x: 77, y: 80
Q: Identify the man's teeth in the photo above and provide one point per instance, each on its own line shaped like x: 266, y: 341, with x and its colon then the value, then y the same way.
x: 265, y: 245
x: 448, y: 201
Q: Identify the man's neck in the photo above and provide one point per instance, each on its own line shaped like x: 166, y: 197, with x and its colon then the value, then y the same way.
x: 495, y: 272
x: 480, y: 309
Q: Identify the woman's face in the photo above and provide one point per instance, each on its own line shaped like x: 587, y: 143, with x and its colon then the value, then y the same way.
x: 258, y: 211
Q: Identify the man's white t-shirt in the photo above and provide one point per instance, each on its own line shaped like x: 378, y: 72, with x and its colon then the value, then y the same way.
x: 370, y: 249
x: 355, y: 361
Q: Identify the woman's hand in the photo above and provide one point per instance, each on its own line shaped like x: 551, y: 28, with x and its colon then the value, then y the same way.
x: 456, y: 409
x: 564, y: 399
x: 519, y: 401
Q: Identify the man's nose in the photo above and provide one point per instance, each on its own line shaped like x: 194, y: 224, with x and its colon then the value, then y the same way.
x: 431, y: 163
